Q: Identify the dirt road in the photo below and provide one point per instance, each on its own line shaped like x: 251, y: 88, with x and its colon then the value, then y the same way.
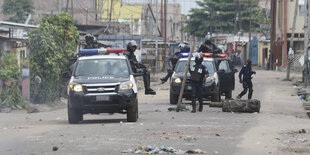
x: 273, y: 131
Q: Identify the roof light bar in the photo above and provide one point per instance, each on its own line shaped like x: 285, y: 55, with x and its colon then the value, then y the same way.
x: 184, y: 54
x: 207, y: 54
x: 222, y: 55
x: 88, y: 52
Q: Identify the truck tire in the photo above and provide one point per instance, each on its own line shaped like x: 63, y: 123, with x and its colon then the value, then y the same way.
x: 132, y: 112
x: 228, y: 95
x: 74, y: 115
x: 173, y: 99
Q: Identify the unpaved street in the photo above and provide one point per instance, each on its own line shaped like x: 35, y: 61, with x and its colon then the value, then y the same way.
x: 273, y: 131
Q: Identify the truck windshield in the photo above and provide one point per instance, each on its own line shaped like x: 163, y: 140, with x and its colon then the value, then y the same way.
x: 182, y: 65
x: 102, y: 67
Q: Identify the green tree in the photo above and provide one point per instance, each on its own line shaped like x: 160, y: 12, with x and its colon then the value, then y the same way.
x: 220, y: 16
x: 51, y: 45
x: 18, y: 8
x: 10, y: 94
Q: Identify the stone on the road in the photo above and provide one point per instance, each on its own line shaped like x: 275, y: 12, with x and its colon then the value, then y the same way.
x: 248, y: 106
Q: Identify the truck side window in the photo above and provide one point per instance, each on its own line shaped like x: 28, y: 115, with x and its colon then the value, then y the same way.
x: 224, y: 65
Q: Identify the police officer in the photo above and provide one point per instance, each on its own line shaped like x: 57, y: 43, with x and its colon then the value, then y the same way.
x: 245, y: 77
x: 131, y: 48
x: 90, y: 42
x: 208, y: 46
x: 174, y: 59
x: 198, y: 77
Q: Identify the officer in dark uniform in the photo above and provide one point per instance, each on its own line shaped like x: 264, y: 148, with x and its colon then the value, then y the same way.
x: 198, y: 77
x: 90, y: 42
x: 183, y: 48
x: 245, y: 77
x: 131, y: 48
x: 208, y: 46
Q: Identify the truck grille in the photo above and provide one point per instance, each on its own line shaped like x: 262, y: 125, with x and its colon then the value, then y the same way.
x: 101, y: 89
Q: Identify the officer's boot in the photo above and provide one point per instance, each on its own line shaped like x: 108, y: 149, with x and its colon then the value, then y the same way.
x: 200, y: 105
x: 250, y: 94
x: 148, y: 90
x: 194, y: 105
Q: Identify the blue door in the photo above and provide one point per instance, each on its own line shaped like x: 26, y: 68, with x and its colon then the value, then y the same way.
x: 254, y: 51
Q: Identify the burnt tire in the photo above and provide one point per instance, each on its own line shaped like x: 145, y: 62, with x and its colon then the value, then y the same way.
x: 132, y: 112
x: 173, y: 99
x: 228, y: 95
x: 74, y: 115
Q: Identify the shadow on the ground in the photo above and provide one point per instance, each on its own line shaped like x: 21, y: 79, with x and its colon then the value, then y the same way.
x: 98, y: 121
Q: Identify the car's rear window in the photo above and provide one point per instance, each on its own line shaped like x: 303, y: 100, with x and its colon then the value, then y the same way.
x: 182, y: 65
x: 102, y: 67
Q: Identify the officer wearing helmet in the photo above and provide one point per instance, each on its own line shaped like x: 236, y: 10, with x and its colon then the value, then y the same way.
x: 131, y: 48
x: 198, y: 74
x: 90, y: 42
x: 208, y: 46
x: 184, y: 48
x: 174, y: 59
x: 245, y: 77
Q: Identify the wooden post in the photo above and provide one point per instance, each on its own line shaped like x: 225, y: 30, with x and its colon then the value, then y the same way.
x: 185, y: 76
x: 291, y: 42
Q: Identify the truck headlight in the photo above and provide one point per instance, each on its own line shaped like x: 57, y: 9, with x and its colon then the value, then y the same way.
x: 177, y: 80
x: 210, y: 79
x: 76, y: 87
x: 125, y: 86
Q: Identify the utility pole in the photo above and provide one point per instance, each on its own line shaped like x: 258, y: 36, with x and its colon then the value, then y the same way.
x: 59, y: 6
x: 150, y: 19
x: 165, y: 33
x: 156, y: 39
x: 247, y: 55
x: 110, y: 16
x: 306, y: 74
x: 291, y: 42
x: 67, y: 6
x: 273, y: 22
x: 72, y: 8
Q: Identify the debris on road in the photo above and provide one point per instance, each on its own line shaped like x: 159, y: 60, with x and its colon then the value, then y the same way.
x: 55, y: 148
x: 216, y: 104
x: 33, y: 110
x: 248, y: 106
x: 182, y: 108
x: 5, y: 110
x: 161, y: 150
x: 300, y: 140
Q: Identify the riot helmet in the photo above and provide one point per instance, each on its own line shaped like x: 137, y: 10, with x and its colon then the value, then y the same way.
x: 249, y: 62
x: 208, y: 37
x: 198, y: 60
x: 131, y: 46
x: 184, y: 48
x: 89, y: 38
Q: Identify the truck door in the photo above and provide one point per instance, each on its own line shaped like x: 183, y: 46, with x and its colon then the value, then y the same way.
x: 226, y: 76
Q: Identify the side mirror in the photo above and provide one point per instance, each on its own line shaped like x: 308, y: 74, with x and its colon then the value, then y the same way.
x: 139, y: 72
x: 221, y: 71
x: 235, y: 70
x: 66, y: 75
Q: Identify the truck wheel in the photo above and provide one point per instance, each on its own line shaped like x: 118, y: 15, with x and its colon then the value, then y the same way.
x: 173, y: 99
x: 228, y: 95
x: 132, y: 112
x: 74, y: 115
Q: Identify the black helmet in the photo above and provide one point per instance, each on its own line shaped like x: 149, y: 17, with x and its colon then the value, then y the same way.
x: 89, y: 37
x: 198, y: 60
x: 184, y: 47
x: 249, y: 62
x: 131, y: 44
